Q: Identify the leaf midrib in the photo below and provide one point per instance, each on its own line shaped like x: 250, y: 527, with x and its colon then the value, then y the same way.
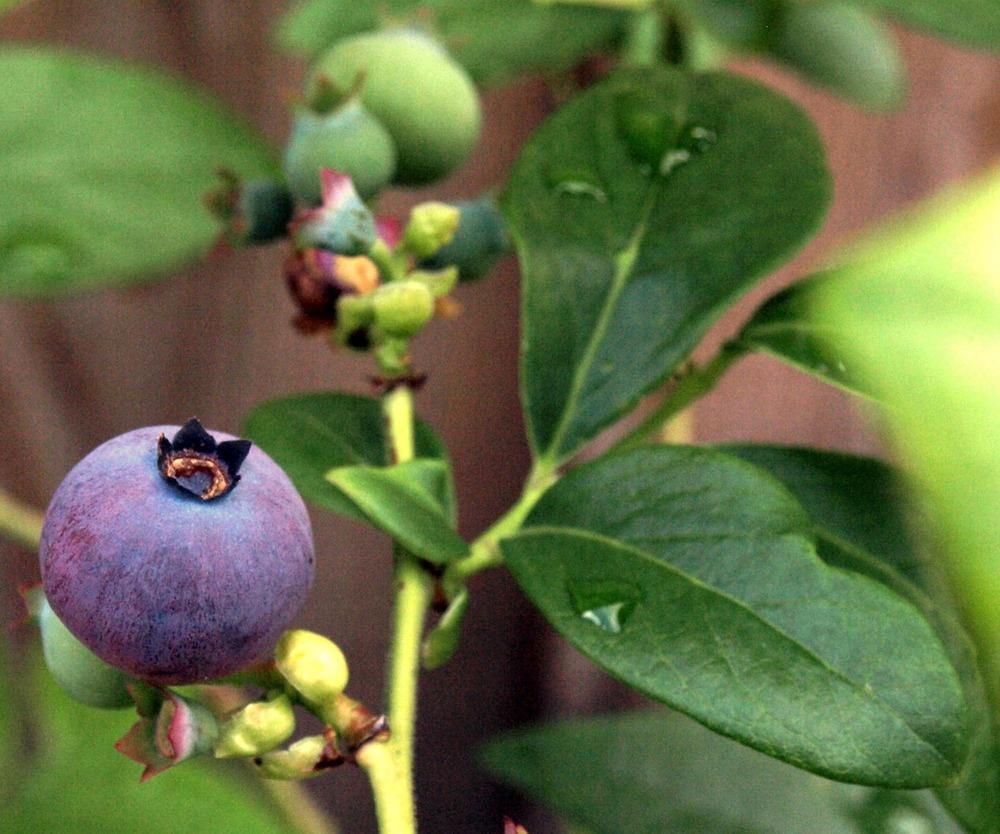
x: 694, y: 581
x: 624, y: 261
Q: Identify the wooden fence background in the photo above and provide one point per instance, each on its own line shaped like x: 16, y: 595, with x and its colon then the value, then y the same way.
x: 78, y: 370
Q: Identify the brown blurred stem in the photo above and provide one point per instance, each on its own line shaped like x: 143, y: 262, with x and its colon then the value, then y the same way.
x: 19, y: 522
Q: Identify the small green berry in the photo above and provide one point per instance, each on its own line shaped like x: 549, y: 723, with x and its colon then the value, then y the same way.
x: 77, y: 670
x: 480, y: 240
x: 349, y: 140
x: 432, y: 225
x: 413, y: 87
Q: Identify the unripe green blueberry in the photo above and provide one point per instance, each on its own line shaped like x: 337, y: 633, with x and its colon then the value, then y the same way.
x: 257, y: 728
x: 313, y: 664
x: 402, y: 308
x: 432, y: 225
x: 77, y: 670
x: 348, y: 139
x: 413, y: 87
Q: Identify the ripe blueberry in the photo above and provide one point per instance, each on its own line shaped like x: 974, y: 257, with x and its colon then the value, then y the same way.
x: 416, y: 90
x: 176, y: 561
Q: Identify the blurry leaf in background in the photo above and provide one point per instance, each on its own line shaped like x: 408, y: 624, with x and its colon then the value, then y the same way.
x: 832, y: 44
x: 495, y: 41
x: 783, y: 328
x: 974, y: 23
x: 310, y: 434
x: 623, y: 208
x: 653, y: 771
x: 916, y: 310
x: 103, y: 167
x: 7, y: 5
x: 693, y: 577
x: 855, y: 505
x: 78, y: 783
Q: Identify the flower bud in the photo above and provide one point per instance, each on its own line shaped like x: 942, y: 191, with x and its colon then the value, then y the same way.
x: 257, y: 728
x: 481, y: 239
x: 313, y: 664
x: 431, y: 226
x: 77, y: 670
x: 402, y: 308
x: 510, y: 827
x: 440, y: 282
x: 342, y: 224
x: 170, y: 730
x: 308, y: 757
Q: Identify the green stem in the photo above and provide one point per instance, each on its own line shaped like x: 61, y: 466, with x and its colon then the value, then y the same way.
x: 484, y: 553
x: 692, y: 386
x: 390, y: 765
x: 19, y: 522
x: 644, y: 38
x: 295, y: 804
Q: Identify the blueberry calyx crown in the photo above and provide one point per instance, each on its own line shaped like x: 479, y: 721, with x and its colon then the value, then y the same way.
x: 197, y: 464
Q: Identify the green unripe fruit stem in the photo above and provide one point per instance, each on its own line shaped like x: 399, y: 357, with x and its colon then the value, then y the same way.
x: 425, y: 100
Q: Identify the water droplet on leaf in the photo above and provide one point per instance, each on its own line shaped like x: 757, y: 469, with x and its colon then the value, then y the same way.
x: 608, y: 605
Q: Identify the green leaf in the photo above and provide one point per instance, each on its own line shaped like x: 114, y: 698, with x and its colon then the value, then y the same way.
x: 400, y: 501
x: 625, y: 268
x: 832, y: 44
x: 916, y: 311
x: 783, y: 328
x: 495, y: 41
x: 974, y: 23
x: 310, y: 434
x: 693, y: 577
x: 104, y: 168
x: 649, y: 771
x: 80, y: 784
x: 8, y: 5
x: 855, y: 504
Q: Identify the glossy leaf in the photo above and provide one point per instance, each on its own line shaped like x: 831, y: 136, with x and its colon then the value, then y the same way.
x: 917, y: 312
x: 652, y: 771
x: 495, y: 41
x: 784, y: 328
x: 79, y: 783
x: 399, y: 500
x: 694, y: 578
x: 104, y: 168
x: 974, y: 23
x: 310, y: 434
x: 856, y: 507
x: 832, y: 44
x: 625, y: 268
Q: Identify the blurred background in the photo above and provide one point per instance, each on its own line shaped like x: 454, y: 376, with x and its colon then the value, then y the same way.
x: 216, y: 339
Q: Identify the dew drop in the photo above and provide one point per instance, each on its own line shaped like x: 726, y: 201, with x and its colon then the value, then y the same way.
x: 672, y: 159
x: 605, y: 604
x: 577, y: 183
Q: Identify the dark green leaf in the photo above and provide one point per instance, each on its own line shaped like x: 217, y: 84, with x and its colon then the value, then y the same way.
x: 401, y: 501
x: 625, y: 268
x: 856, y: 509
x: 80, y: 784
x: 784, y: 327
x: 833, y: 44
x: 494, y: 40
x: 104, y: 168
x: 694, y: 578
x: 310, y: 434
x: 974, y: 23
x: 647, y: 772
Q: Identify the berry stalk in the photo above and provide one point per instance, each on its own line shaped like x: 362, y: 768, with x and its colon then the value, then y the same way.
x: 389, y: 765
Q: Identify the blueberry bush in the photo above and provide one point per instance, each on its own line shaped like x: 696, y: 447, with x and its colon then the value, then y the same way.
x: 829, y: 622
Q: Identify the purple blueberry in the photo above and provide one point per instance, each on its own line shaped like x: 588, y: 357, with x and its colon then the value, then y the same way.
x: 177, y: 560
